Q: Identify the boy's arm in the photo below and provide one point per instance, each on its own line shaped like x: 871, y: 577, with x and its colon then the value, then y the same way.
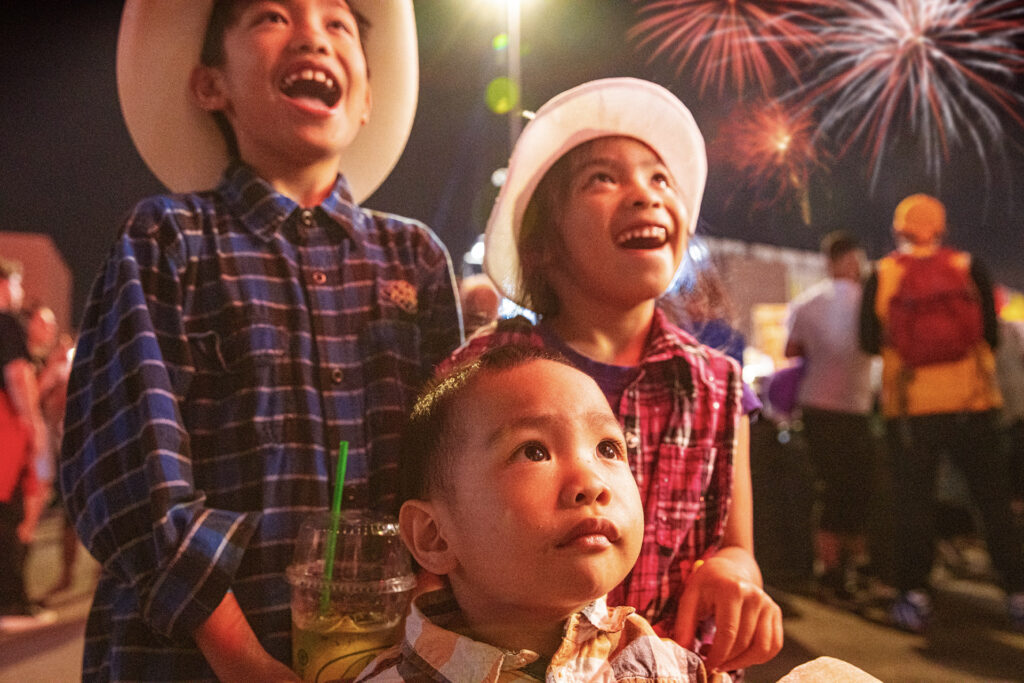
x: 232, y: 649
x: 727, y: 585
x: 126, y: 464
x: 794, y: 347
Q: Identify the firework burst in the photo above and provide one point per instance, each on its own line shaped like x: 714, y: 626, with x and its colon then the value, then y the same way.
x: 946, y: 66
x: 742, y: 41
x: 772, y: 146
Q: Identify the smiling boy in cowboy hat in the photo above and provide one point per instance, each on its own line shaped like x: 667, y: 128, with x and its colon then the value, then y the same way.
x: 237, y: 335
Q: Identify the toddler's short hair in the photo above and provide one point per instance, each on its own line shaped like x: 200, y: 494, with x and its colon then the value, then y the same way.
x: 428, y: 450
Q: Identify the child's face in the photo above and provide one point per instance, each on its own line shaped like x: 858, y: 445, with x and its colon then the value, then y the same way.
x: 622, y: 234
x: 545, y: 515
x: 294, y: 82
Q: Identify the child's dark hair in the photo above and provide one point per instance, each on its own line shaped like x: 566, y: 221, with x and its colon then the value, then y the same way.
x: 539, y: 233
x: 428, y: 447
x: 223, y: 16
x: 838, y: 243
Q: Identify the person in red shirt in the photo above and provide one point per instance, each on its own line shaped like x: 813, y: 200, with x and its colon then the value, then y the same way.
x: 22, y: 436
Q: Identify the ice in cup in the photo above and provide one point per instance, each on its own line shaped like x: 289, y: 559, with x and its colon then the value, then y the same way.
x: 340, y: 625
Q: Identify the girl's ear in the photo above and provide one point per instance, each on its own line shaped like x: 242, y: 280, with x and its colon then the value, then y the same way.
x: 206, y: 88
x: 423, y: 533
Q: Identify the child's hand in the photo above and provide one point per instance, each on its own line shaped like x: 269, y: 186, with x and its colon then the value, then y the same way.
x: 230, y: 646
x: 748, y: 623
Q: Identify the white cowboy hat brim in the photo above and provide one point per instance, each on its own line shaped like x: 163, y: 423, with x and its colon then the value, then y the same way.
x: 627, y: 107
x: 159, y: 45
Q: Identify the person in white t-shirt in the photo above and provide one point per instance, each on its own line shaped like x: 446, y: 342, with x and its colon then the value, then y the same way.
x: 835, y: 399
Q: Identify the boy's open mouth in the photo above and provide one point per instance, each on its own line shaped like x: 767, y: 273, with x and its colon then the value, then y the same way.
x: 646, y: 237
x: 311, y: 83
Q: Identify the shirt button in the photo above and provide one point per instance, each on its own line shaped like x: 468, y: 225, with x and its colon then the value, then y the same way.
x: 319, y: 277
x: 337, y: 375
x: 307, y: 217
x: 632, y: 440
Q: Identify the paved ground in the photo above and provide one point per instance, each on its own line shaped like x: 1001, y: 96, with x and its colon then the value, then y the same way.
x: 968, y: 644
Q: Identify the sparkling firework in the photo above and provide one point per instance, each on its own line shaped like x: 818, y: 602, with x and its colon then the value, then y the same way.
x: 773, y: 149
x: 738, y: 40
x: 945, y: 66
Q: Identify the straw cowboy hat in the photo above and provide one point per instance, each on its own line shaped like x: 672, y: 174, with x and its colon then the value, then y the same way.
x: 158, y: 46
x: 608, y: 107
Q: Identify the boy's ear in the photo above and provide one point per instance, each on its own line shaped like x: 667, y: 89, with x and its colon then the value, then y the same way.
x: 423, y: 533
x: 204, y: 83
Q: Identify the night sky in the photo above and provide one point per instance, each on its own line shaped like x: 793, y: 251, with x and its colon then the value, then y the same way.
x: 69, y: 169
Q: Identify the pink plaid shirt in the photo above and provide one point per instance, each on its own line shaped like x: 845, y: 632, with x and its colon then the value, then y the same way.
x: 680, y: 416
x: 599, y: 644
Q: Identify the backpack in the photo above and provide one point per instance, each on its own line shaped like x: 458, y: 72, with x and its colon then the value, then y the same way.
x: 935, y: 314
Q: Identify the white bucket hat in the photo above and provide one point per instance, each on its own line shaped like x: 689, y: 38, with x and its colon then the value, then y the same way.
x: 159, y: 45
x: 627, y: 107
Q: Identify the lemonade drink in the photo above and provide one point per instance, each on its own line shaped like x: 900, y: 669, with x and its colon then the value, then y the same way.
x: 340, y: 624
x: 338, y: 650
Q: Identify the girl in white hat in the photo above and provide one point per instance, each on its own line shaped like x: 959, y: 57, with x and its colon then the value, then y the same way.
x: 602, y: 194
x: 244, y: 327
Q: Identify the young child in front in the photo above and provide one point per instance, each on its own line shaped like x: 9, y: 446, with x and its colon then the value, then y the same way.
x: 519, y: 494
x: 242, y: 328
x: 589, y: 230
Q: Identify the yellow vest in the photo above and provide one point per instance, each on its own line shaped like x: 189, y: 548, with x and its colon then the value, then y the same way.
x: 965, y: 385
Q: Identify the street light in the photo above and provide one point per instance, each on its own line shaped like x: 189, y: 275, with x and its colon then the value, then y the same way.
x: 513, y: 26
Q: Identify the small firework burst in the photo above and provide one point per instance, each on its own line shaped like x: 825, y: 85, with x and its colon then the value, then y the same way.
x: 773, y: 148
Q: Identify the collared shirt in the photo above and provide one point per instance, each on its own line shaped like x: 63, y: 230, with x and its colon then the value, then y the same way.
x: 599, y: 644
x: 232, y: 340
x: 680, y: 415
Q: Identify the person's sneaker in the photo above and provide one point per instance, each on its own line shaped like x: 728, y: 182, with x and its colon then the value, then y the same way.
x: 30, y: 618
x: 1015, y: 610
x: 911, y: 611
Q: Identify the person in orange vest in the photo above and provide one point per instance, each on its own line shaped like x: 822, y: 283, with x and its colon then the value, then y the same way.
x: 929, y: 310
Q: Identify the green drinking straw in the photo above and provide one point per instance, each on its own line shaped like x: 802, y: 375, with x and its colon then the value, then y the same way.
x: 332, y: 536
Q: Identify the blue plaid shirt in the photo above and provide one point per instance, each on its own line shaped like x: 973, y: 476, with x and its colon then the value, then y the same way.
x: 232, y: 340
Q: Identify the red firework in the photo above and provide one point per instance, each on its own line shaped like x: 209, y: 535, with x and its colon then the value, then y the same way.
x: 773, y: 149
x: 741, y: 41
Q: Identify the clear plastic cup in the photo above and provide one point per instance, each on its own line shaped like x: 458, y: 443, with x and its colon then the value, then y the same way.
x: 340, y: 625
